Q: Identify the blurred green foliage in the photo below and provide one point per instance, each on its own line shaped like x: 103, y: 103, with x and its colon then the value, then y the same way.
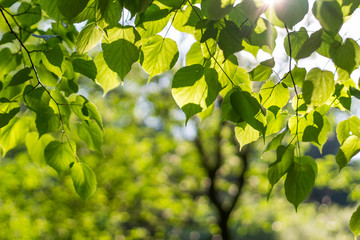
x: 151, y: 183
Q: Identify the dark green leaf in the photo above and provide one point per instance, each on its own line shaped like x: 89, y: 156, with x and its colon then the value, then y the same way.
x: 20, y: 77
x: 346, y: 56
x: 284, y: 159
x: 230, y: 39
x: 85, y: 67
x: 249, y: 109
x: 6, y: 117
x: 28, y: 14
x: 70, y: 9
x: 310, y: 45
x: 120, y: 55
x: 329, y: 14
x: 300, y: 180
x: 46, y: 121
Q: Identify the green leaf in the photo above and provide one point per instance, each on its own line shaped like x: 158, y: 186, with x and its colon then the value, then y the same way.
x: 247, y: 10
x: 84, y: 180
x: 88, y: 38
x: 300, y: 180
x: 275, y: 142
x: 7, y: 3
x: 68, y: 86
x: 194, y: 55
x: 36, y: 145
x: 51, y: 9
x: 36, y: 99
x: 53, y: 59
x: 186, y: 20
x: 310, y: 45
x: 355, y: 92
x: 120, y: 55
x: 355, y: 222
x: 245, y: 134
x: 291, y: 12
x: 284, y: 159
x: 86, y: 67
x: 8, y: 61
x: 86, y: 110
x: 260, y: 73
x: 349, y: 148
x: 59, y: 155
x: 249, y: 109
x: 195, y: 89
x: 91, y: 134
x: 152, y: 21
x: 7, y: 37
x: 6, y: 117
x: 227, y: 111
x: 158, y: 55
x: 216, y: 9
x: 275, y: 120
x: 313, y: 127
x: 46, y: 121
x: 14, y: 133
x: 299, y: 76
x: 264, y: 35
x: 111, y: 11
x: 274, y: 95
x: 347, y: 127
x: 297, y: 40
x: 107, y: 78
x: 70, y: 9
x: 118, y: 31
x: 230, y: 39
x: 348, y: 7
x: 318, y: 86
x: 346, y: 56
x: 20, y: 77
x: 28, y: 14
x: 329, y: 14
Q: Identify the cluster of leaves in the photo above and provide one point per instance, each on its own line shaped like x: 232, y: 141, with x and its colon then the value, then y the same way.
x: 55, y: 57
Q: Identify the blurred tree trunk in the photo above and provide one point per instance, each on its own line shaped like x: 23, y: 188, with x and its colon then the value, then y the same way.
x: 212, y: 162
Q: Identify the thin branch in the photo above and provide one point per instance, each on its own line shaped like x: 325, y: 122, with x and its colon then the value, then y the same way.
x: 297, y: 95
x: 208, y: 49
x: 38, y: 78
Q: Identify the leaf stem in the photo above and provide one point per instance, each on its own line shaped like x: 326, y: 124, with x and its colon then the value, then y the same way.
x: 208, y: 49
x: 297, y: 95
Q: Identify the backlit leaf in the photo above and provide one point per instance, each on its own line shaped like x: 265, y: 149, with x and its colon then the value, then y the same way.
x: 59, y: 155
x: 84, y: 180
x: 89, y: 37
x: 158, y: 55
x: 318, y: 86
x: 195, y: 88
x: 349, y: 148
x: 300, y: 180
x: 245, y: 134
